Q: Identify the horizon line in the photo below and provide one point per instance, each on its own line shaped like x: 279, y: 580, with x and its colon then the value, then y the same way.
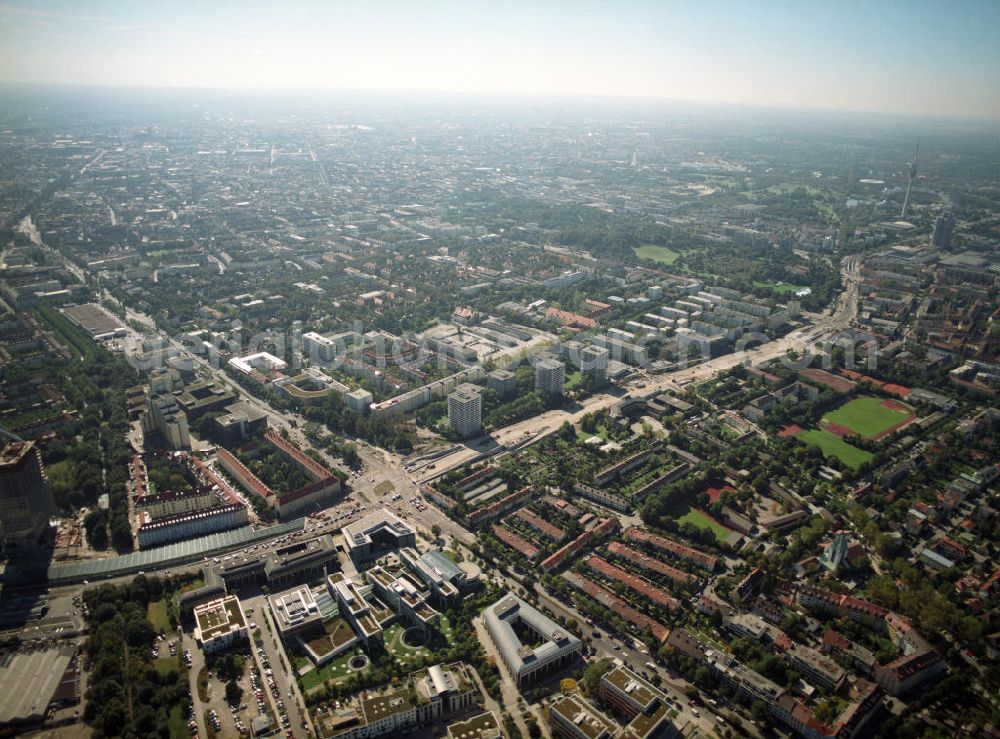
x: 548, y: 96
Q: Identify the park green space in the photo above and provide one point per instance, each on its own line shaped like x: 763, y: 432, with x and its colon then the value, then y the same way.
x: 336, y: 670
x: 600, y: 431
x: 158, y: 615
x: 166, y: 665
x: 574, y: 380
x: 699, y: 519
x: 176, y: 724
x: 395, y: 646
x: 778, y: 287
x: 833, y: 446
x: 661, y: 254
x: 866, y: 416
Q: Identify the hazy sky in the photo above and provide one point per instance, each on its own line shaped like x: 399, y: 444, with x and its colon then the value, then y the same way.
x: 909, y: 56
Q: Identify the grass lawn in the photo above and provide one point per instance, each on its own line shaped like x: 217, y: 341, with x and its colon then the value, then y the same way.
x: 164, y: 665
x: 157, y: 615
x: 574, y: 380
x: 176, y: 723
x: 661, y: 254
x: 834, y: 446
x: 395, y: 646
x: 336, y: 670
x: 866, y: 416
x: 444, y: 626
x: 778, y: 287
x: 384, y: 487
x: 699, y: 519
x: 582, y: 436
x: 710, y: 640
x: 194, y: 584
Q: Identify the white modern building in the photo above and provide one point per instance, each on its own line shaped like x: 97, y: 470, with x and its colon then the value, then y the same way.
x: 550, y: 377
x: 355, y: 610
x: 219, y: 624
x: 260, y: 361
x: 465, y: 410
x: 376, y: 531
x: 317, y: 347
x: 594, y: 364
x: 358, y: 400
x: 295, y: 610
x: 555, y: 648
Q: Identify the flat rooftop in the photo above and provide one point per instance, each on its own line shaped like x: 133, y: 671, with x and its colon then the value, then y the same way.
x: 378, y: 708
x: 628, y: 682
x: 29, y: 681
x: 219, y: 617
x: 587, y: 719
x: 483, y: 726
x: 361, y: 532
x: 93, y: 319
x: 14, y: 451
x: 509, y: 611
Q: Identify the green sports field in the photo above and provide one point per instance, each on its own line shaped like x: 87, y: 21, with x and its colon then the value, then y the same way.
x: 866, y: 417
x: 661, y: 254
x: 699, y: 519
x: 834, y: 446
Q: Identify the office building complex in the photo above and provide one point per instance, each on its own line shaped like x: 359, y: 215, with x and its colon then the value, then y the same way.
x: 318, y: 347
x: 572, y: 717
x: 295, y: 611
x: 646, y: 708
x: 356, y: 611
x: 358, y: 400
x: 556, y: 647
x: 380, y: 530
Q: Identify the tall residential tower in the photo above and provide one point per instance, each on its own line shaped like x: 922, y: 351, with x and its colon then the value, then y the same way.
x: 909, y: 182
x: 26, y: 502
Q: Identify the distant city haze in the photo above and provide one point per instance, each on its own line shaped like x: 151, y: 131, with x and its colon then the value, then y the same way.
x: 912, y: 57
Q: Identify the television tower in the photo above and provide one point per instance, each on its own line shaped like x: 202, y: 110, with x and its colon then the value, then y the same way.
x: 909, y: 182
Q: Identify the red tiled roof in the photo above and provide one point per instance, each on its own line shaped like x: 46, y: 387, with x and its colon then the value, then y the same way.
x: 617, y: 605
x: 649, y: 563
x: 539, y: 524
x: 515, y: 542
x: 636, y: 583
x: 669, y: 545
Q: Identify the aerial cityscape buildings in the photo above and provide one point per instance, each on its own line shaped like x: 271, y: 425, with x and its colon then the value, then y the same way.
x: 350, y: 417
